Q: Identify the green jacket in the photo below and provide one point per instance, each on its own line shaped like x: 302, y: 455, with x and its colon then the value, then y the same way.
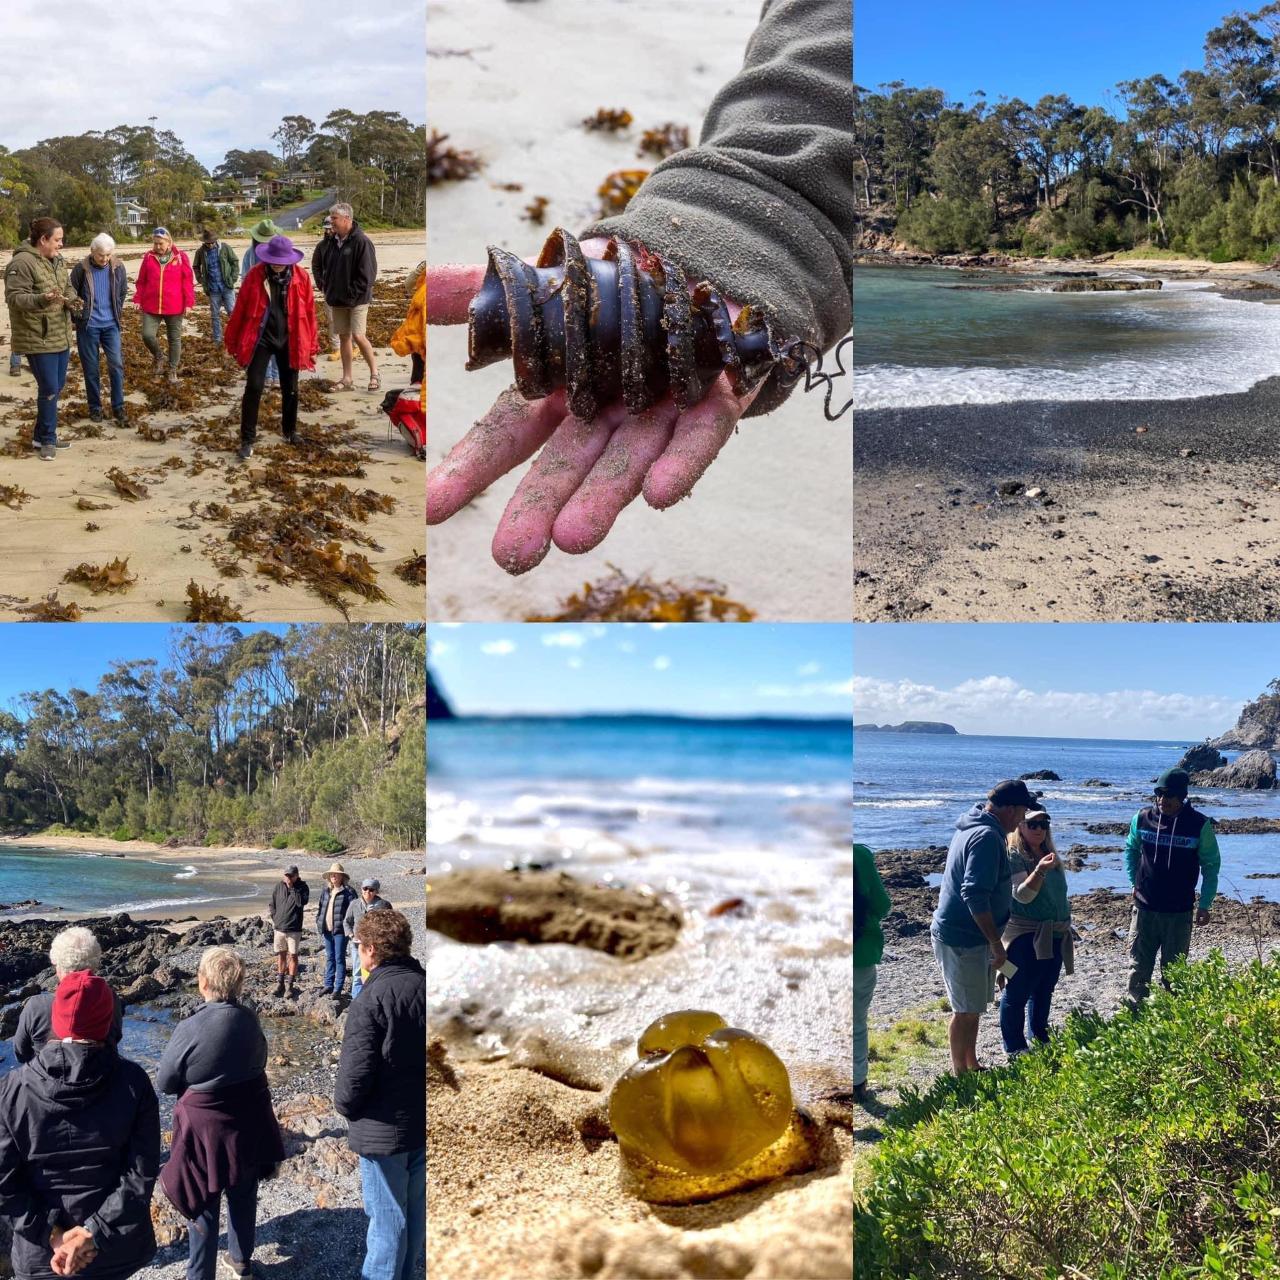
x: 868, y: 945
x: 226, y: 259
x: 38, y: 327
x: 762, y: 207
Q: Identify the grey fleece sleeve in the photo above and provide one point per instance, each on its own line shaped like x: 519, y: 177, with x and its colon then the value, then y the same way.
x: 763, y: 206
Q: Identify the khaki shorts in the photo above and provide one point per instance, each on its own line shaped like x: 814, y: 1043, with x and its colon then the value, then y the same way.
x: 287, y: 942
x: 967, y: 975
x: 349, y: 320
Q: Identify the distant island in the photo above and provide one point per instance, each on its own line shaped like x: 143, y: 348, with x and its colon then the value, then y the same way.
x: 1258, y: 727
x: 907, y: 726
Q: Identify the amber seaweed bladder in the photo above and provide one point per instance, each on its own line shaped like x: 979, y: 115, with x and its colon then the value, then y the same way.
x: 706, y: 1110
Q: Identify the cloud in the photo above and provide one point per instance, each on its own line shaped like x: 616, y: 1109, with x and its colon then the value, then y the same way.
x: 658, y: 626
x: 809, y: 689
x: 661, y: 663
x: 1002, y: 705
x: 498, y: 648
x: 218, y: 84
x: 809, y: 669
x: 564, y: 639
x: 625, y: 646
x: 574, y: 662
x: 439, y: 647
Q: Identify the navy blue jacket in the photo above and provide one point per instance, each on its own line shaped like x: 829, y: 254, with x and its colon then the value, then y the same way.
x: 82, y: 283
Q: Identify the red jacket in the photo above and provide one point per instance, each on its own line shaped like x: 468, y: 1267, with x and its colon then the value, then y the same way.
x: 166, y: 290
x: 245, y: 326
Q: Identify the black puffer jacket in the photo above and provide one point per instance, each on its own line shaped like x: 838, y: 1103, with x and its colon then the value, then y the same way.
x: 383, y: 1069
x: 346, y: 271
x: 79, y: 1146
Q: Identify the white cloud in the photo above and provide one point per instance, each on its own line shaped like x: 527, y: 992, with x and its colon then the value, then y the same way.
x: 809, y: 669
x: 809, y: 689
x: 498, y: 648
x: 657, y: 626
x: 1002, y: 705
x: 564, y: 639
x: 661, y: 663
x: 574, y: 662
x: 440, y: 647
x: 221, y: 83
x: 625, y: 646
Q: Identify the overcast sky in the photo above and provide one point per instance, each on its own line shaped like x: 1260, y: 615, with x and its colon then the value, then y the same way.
x: 220, y: 76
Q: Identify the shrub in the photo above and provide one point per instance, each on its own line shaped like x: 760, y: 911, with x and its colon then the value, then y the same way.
x: 1140, y: 1147
x: 280, y: 842
x: 311, y: 839
x: 946, y: 225
x: 122, y: 832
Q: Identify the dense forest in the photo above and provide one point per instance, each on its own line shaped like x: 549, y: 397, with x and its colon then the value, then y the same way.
x: 314, y: 737
x: 376, y: 160
x: 1188, y: 166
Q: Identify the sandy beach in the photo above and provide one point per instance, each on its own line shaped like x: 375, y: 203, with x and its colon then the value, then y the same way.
x: 770, y: 519
x: 196, y: 489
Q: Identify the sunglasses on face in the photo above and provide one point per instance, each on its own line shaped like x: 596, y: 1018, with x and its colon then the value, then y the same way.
x: 1040, y: 824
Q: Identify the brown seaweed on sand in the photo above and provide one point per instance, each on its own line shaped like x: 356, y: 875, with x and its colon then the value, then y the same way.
x: 536, y: 210
x: 413, y: 569
x: 12, y: 496
x: 447, y: 164
x: 210, y: 606
x: 608, y: 120
x: 87, y: 504
x: 51, y: 609
x: 664, y: 141
x: 618, y: 598
x: 618, y: 187
x: 112, y: 576
x: 127, y: 487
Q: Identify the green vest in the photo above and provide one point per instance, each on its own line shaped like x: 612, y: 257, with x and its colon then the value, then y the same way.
x: 37, y: 327
x: 1051, y: 902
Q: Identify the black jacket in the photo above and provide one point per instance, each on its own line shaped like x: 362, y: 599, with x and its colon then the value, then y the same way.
x: 82, y: 282
x: 346, y: 896
x: 382, y: 1071
x: 287, y: 902
x: 35, y: 1026
x: 346, y: 272
x: 79, y: 1146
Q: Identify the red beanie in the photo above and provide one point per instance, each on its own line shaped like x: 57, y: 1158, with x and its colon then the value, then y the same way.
x: 83, y: 1007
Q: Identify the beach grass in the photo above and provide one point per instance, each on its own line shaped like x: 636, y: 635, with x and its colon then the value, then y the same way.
x: 915, y: 1037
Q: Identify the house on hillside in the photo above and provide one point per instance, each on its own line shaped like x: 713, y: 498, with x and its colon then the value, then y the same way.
x: 131, y: 215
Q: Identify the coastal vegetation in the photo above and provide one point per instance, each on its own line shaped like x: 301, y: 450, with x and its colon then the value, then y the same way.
x: 1190, y: 165
x: 313, y: 739
x: 1141, y: 1145
x: 375, y: 160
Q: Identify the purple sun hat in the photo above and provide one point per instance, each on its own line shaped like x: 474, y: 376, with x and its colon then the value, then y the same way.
x: 279, y: 250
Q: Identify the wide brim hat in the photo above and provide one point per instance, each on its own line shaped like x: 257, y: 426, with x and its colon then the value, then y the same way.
x: 336, y: 870
x: 264, y: 231
x: 279, y: 250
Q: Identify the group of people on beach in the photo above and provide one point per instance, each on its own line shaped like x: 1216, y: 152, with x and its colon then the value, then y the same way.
x: 80, y: 1139
x: 1003, y: 918
x: 266, y: 296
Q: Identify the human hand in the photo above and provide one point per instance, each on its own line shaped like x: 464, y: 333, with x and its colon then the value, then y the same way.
x: 998, y: 955
x: 587, y: 472
x: 73, y: 1250
x: 52, y: 295
x: 1202, y: 917
x: 1047, y: 863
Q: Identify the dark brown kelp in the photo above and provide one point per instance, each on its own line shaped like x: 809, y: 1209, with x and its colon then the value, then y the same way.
x: 664, y: 141
x: 413, y: 570
x: 618, y: 598
x: 616, y: 190
x: 13, y: 496
x: 624, y: 326
x: 210, y: 606
x: 446, y: 164
x: 608, y: 120
x: 112, y: 576
x: 127, y: 487
x: 51, y: 609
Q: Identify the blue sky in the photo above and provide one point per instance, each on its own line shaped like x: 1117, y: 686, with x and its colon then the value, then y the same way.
x: 49, y: 655
x: 1109, y: 680
x: 1027, y: 50
x: 694, y: 669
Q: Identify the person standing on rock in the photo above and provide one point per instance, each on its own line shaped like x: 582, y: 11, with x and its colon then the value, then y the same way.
x: 347, y: 265
x: 216, y: 270
x: 338, y: 896
x: 974, y: 904
x: 164, y: 292
x: 1037, y: 937
x: 41, y: 301
x: 102, y: 285
x: 225, y: 1134
x: 74, y: 950
x: 288, y: 899
x: 1170, y: 847
x: 870, y: 906
x: 368, y: 900
x: 380, y: 1089
x: 79, y: 1147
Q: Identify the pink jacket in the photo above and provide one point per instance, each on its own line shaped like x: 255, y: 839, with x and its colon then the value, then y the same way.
x: 168, y: 289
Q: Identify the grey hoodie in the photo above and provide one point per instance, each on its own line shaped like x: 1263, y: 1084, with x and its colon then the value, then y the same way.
x: 976, y: 879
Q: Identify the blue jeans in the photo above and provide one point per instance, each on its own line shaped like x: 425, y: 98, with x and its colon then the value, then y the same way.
x: 15, y: 361
x: 335, y: 960
x: 1028, y: 994
x: 220, y: 300
x: 353, y: 963
x: 50, y: 370
x: 395, y: 1198
x: 88, y: 340
x: 202, y: 1233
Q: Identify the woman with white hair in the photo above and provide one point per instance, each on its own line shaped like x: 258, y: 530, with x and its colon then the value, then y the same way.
x: 74, y: 950
x: 102, y: 284
x: 225, y: 1134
